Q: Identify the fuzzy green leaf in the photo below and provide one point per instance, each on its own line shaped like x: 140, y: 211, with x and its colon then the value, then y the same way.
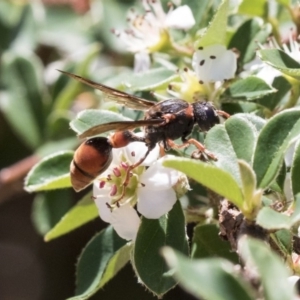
x: 92, y: 117
x: 84, y: 211
x: 153, y: 234
x: 247, y: 89
x: 280, y: 61
x: 272, y: 100
x: 248, y: 181
x: 243, y: 130
x: 272, y: 143
x: 210, y: 279
x: 150, y: 79
x: 102, y: 258
x: 50, y: 173
x: 216, y: 30
x: 234, y: 140
x: 273, y: 220
x: 211, y: 176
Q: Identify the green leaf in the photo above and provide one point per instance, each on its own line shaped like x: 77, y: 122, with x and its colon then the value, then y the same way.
x: 242, y: 131
x: 211, y: 176
x: 55, y: 146
x: 50, y: 173
x: 253, y: 7
x: 92, y: 117
x: 248, y: 89
x: 273, y: 220
x: 281, y: 61
x: 295, y: 170
x: 234, y: 140
x: 210, y: 279
x: 84, y: 211
x: 219, y: 143
x: 48, y: 208
x: 272, y: 100
x: 150, y: 80
x: 153, y: 234
x: 247, y: 36
x: 216, y: 30
x: 102, y: 258
x: 207, y: 243
x: 23, y: 100
x: 272, y: 143
x: 272, y: 271
x: 248, y: 181
x: 284, y: 241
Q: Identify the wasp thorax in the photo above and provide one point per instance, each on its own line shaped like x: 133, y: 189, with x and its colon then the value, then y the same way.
x: 205, y: 115
x: 91, y: 159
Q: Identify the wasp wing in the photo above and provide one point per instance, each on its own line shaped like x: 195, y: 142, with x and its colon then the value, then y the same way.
x: 112, y: 94
x: 118, y: 126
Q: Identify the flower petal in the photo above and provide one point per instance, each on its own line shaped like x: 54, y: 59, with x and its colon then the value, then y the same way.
x: 136, y: 150
x: 100, y: 192
x: 125, y: 221
x: 159, y: 177
x: 214, y: 63
x: 152, y: 204
x: 104, y: 212
x: 180, y: 18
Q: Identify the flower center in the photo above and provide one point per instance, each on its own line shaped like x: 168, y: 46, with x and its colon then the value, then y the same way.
x: 114, y: 182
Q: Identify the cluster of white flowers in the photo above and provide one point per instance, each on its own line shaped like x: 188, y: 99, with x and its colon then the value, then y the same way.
x: 148, y: 33
x: 150, y: 188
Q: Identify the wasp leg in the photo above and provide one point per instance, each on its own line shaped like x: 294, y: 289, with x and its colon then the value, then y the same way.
x: 168, y: 118
x: 121, y: 139
x: 194, y: 142
x: 223, y: 114
x: 128, y: 174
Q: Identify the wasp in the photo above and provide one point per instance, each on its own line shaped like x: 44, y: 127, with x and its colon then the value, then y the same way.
x: 163, y: 123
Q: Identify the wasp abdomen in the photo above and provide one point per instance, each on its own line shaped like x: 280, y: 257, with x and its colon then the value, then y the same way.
x: 90, y: 160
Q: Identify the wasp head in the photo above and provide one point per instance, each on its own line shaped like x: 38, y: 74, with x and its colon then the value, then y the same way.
x: 205, y: 115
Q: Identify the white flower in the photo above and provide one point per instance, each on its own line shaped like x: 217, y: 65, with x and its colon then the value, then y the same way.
x: 149, y: 188
x: 148, y: 33
x: 214, y: 63
x: 293, y: 50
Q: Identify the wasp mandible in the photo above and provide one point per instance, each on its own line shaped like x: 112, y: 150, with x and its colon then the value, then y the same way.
x: 164, y: 122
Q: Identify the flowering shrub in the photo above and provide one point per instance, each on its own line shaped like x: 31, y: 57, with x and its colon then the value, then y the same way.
x: 243, y: 206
